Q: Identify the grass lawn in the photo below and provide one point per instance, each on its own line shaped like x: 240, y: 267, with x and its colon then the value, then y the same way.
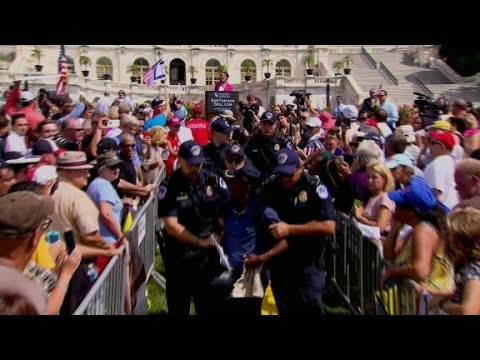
x: 334, y: 304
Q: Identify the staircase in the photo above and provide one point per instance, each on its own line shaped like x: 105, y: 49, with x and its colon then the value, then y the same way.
x: 453, y: 92
x: 368, y: 77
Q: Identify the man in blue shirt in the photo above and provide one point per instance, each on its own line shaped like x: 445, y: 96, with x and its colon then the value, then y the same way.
x: 246, y: 238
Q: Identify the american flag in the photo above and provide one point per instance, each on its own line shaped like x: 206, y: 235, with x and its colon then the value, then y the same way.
x: 62, y: 71
x: 155, y: 73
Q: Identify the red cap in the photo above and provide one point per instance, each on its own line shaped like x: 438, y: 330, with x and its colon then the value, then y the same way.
x: 197, y: 110
x: 445, y: 138
x: 174, y: 121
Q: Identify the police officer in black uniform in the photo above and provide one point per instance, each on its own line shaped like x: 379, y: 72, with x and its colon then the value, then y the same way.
x: 215, y: 149
x: 189, y: 205
x: 307, y: 218
x: 264, y: 144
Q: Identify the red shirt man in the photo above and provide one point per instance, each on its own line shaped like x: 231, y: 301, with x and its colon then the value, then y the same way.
x: 200, y: 128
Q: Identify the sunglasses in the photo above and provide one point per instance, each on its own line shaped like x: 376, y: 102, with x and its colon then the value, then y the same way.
x: 235, y: 161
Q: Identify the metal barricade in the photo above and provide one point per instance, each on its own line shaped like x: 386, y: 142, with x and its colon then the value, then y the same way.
x: 403, y: 298
x: 107, y: 294
x: 357, y: 266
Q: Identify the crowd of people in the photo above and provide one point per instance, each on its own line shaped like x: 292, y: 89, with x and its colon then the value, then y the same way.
x: 248, y: 200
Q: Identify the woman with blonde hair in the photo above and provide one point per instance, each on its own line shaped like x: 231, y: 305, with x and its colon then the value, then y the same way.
x: 153, y: 155
x: 463, y: 246
x: 379, y: 208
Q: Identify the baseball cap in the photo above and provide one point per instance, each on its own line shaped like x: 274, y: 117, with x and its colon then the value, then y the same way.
x: 221, y: 125
x: 16, y: 158
x: 174, y: 121
x: 416, y: 194
x: 22, y: 212
x: 440, y: 125
x: 108, y: 159
x: 268, y: 116
x: 235, y: 149
x: 107, y: 144
x: 45, y: 146
x: 445, y: 138
x: 197, y: 110
x: 44, y: 174
x: 192, y: 152
x: 373, y: 136
x: 247, y: 173
x: 26, y: 96
x: 313, y: 122
x: 397, y: 160
x: 286, y: 162
x: 156, y: 102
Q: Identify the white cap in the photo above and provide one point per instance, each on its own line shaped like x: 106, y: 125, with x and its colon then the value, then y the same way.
x: 44, y: 174
x: 350, y: 111
x: 26, y: 96
x: 313, y: 122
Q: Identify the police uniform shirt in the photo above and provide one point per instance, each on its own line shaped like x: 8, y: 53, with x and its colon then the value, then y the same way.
x: 215, y: 156
x: 246, y: 231
x: 197, y: 206
x: 308, y: 200
x: 262, y: 151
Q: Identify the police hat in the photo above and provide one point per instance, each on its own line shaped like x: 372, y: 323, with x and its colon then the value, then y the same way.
x: 268, y: 116
x: 286, y: 162
x: 192, y: 152
x: 235, y: 149
x: 221, y: 125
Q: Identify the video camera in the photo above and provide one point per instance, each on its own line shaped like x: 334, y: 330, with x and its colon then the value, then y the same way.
x: 424, y: 104
x: 248, y: 110
x: 300, y: 97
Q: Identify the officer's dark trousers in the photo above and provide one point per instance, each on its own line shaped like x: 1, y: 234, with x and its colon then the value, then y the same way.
x: 298, y: 288
x: 189, y: 275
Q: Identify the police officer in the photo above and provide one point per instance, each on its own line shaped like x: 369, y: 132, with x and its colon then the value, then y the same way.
x: 307, y: 217
x: 264, y: 144
x: 215, y: 149
x: 189, y: 205
x: 235, y: 157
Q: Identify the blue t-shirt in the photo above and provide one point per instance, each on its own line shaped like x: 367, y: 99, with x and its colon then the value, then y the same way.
x: 159, y: 120
x: 245, y: 231
x: 101, y: 190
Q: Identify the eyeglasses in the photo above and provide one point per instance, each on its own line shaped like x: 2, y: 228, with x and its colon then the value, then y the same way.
x: 235, y: 161
x: 128, y: 145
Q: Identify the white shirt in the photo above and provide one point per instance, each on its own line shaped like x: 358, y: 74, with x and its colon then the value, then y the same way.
x: 15, y: 142
x: 184, y: 134
x: 439, y: 174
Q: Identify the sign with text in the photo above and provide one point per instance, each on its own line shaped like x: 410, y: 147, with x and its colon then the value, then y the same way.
x: 218, y: 101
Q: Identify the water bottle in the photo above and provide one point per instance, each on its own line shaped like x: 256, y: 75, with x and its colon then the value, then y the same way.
x: 92, y: 272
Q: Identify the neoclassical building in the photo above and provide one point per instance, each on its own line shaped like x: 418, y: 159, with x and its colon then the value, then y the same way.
x: 96, y: 68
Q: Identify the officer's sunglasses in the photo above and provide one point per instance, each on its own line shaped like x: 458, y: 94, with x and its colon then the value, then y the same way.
x: 235, y: 160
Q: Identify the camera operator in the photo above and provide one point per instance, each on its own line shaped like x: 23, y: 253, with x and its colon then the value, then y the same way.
x: 252, y: 113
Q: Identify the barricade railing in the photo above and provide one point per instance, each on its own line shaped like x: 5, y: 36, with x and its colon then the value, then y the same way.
x: 107, y: 294
x: 356, y: 272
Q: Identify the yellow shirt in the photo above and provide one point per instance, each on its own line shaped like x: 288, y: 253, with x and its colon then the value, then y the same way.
x: 42, y: 256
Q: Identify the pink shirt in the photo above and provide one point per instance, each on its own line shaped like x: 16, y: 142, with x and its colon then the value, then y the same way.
x: 374, y: 205
x: 227, y: 86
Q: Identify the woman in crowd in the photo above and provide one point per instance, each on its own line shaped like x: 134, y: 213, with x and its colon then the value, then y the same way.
x: 379, y: 209
x: 463, y: 246
x: 153, y: 156
x: 419, y: 254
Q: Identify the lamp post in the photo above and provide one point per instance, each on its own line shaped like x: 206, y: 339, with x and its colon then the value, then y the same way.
x: 327, y: 92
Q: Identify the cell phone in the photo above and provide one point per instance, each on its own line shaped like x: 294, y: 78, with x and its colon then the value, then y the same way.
x: 69, y: 241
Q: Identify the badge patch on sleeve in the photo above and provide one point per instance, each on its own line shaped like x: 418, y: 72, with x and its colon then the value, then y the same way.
x: 322, y: 192
x: 162, y: 191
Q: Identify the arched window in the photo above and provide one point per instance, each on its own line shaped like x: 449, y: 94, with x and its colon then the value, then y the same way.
x: 104, y: 69
x: 283, y: 68
x: 143, y: 67
x: 212, y: 75
x: 248, y: 68
x: 70, y: 65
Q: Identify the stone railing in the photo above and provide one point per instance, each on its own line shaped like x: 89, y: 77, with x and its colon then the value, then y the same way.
x: 446, y: 70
